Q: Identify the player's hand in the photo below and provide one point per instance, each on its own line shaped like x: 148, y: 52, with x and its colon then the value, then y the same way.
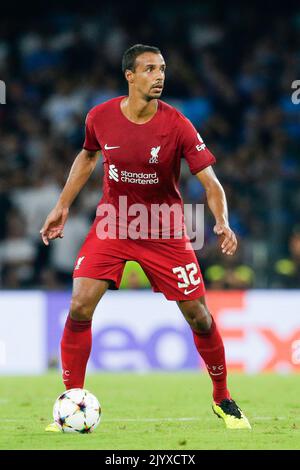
x: 229, y: 241
x: 54, y: 224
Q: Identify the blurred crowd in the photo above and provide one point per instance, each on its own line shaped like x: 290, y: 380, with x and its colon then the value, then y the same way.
x: 230, y: 74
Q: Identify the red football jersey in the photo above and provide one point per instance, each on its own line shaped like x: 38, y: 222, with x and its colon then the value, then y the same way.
x: 142, y: 161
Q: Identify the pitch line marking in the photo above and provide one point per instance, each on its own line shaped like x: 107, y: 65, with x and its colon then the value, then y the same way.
x: 155, y: 420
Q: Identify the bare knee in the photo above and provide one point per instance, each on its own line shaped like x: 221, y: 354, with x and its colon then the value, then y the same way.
x: 81, y: 309
x: 196, y: 314
x: 86, y: 295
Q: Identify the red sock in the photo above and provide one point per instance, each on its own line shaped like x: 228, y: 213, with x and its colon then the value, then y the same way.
x: 76, y: 347
x: 211, y: 349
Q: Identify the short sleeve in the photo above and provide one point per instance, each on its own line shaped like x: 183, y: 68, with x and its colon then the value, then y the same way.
x: 90, y: 143
x: 193, y: 148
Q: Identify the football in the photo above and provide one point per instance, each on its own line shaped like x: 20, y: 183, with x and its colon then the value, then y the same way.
x: 77, y: 411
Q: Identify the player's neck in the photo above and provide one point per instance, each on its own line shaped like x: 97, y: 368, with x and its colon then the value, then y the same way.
x: 138, y: 110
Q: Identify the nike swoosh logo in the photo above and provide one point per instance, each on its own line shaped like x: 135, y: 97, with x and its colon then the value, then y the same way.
x: 106, y: 147
x: 186, y: 292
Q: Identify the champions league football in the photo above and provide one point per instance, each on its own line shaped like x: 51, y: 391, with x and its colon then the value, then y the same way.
x: 77, y: 411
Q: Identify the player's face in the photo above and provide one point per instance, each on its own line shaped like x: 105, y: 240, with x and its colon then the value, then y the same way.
x: 149, y: 75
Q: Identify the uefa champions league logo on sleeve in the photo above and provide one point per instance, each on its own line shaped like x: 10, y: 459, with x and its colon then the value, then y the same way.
x: 2, y: 92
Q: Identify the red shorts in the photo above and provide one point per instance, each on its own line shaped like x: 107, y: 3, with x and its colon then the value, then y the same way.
x: 170, y: 267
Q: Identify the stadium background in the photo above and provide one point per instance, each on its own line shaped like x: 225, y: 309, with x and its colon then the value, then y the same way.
x: 229, y: 70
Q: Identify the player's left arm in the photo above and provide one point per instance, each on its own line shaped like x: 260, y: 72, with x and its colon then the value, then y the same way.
x: 217, y: 203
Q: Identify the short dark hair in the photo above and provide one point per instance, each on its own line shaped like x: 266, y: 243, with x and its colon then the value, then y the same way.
x: 130, y: 55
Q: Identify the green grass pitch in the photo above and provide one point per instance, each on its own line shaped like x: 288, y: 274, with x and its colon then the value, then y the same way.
x: 154, y: 411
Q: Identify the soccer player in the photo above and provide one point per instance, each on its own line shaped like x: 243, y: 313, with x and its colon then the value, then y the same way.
x: 142, y: 140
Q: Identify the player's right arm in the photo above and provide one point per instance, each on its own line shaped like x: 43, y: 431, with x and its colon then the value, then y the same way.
x: 83, y: 166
